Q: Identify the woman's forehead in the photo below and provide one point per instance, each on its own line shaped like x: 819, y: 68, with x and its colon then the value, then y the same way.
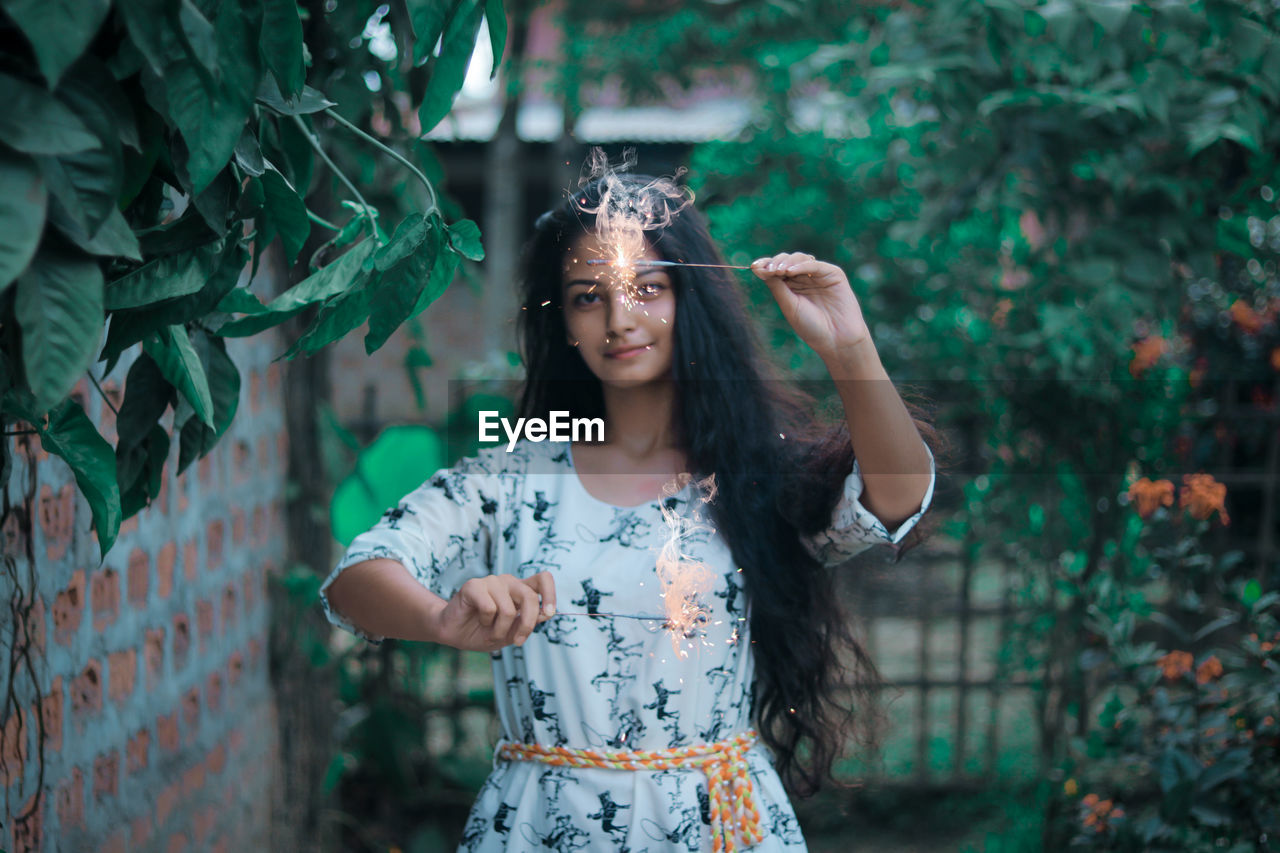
x: 588, y: 246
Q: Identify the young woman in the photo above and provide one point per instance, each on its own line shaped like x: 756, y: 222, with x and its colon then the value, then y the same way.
x: 619, y: 733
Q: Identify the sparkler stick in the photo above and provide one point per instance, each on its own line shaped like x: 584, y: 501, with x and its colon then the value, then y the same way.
x: 601, y: 261
x: 616, y: 616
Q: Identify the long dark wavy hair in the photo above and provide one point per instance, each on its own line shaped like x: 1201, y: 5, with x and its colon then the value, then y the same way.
x: 815, y: 684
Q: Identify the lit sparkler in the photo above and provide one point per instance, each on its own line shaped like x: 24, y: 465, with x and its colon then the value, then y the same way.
x: 685, y: 580
x: 647, y: 263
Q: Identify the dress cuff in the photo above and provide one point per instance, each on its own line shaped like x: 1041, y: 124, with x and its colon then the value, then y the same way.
x: 349, y: 559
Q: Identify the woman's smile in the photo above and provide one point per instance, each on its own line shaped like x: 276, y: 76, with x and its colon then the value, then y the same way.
x: 628, y: 352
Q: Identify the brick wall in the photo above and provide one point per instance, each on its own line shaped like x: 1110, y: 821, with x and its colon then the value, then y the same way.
x: 159, y: 721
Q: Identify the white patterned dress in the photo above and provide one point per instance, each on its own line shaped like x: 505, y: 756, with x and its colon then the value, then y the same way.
x: 598, y: 681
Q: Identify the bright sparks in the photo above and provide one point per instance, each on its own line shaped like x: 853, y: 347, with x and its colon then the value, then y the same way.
x: 685, y: 580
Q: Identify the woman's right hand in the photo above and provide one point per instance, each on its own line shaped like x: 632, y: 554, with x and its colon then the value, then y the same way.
x: 496, y: 611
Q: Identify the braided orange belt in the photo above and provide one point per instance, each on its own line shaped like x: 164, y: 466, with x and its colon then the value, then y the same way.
x: 735, y: 819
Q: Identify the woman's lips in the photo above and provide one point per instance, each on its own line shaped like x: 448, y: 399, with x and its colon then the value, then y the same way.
x: 628, y: 352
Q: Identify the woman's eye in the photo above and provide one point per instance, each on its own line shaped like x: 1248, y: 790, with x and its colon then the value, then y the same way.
x: 588, y: 297
x: 648, y: 289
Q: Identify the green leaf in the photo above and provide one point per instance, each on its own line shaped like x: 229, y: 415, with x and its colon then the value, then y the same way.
x: 210, y: 113
x: 399, y: 460
x: 338, y: 316
x: 412, y: 231
x: 1231, y: 764
x: 249, y: 154
x: 497, y: 18
x: 241, y: 300
x: 130, y: 326
x: 297, y: 155
x: 190, y: 231
x: 402, y: 284
x: 114, y: 238
x: 310, y: 101
x: 59, y: 310
x: 286, y: 210
x: 317, y: 287
x: 59, y: 30
x: 282, y: 45
x: 441, y: 277
x: 23, y: 202
x: 1252, y: 592
x: 197, y: 439
x: 71, y: 436
x: 217, y: 201
x: 1109, y: 14
x: 163, y: 278
x: 87, y: 183
x: 464, y: 236
x: 427, y: 18
x: 182, y: 368
x: 449, y: 69
x: 38, y: 123
x: 146, y: 396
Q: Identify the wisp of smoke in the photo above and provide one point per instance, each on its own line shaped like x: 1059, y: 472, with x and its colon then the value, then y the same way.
x: 627, y: 209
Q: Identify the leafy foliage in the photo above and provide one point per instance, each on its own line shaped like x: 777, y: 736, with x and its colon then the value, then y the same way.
x: 150, y: 149
x: 1182, y: 756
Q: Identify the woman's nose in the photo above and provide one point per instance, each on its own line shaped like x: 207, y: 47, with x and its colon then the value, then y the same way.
x: 622, y: 311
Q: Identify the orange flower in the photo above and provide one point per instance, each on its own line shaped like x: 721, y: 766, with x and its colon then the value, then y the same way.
x: 1275, y: 358
x: 1147, y: 352
x: 1204, y: 496
x: 1148, y: 495
x: 1175, y: 664
x: 1002, y: 313
x: 1210, y: 669
x: 1245, y: 317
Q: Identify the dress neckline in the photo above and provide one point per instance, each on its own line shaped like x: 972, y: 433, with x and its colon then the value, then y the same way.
x: 582, y: 487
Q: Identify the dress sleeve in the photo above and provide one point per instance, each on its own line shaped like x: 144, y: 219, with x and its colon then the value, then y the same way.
x: 444, y: 532
x: 854, y: 528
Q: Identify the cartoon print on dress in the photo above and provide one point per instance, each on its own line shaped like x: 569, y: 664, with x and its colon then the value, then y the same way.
x: 591, y: 599
x: 720, y: 678
x: 552, y: 781
x: 562, y: 837
x: 607, y: 813
x: 783, y: 824
x: 619, y: 667
x: 630, y: 730
x: 687, y: 832
x: 392, y: 516
x: 662, y: 712
x: 557, y: 632
x: 718, y: 729
x: 500, y: 824
x: 730, y: 594
x: 541, y: 507
x: 454, y: 485
x: 626, y: 528
x: 474, y: 833
x: 538, y: 700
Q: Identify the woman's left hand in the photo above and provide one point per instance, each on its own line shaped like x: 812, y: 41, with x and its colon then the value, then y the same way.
x: 817, y: 301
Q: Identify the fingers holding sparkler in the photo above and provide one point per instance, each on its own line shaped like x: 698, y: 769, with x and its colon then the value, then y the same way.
x: 817, y: 300
x: 489, y: 613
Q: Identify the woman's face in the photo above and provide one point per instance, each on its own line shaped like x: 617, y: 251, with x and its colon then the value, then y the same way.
x: 622, y: 321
